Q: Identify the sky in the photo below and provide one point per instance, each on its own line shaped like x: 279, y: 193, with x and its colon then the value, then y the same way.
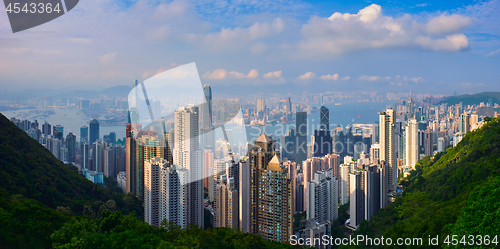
x: 250, y: 46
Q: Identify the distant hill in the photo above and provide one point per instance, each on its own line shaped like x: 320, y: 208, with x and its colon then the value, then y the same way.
x: 456, y: 192
x: 473, y: 99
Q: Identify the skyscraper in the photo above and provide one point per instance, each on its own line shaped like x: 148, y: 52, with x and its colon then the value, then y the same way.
x: 260, y: 105
x: 387, y: 122
x: 188, y: 155
x: 58, y: 132
x: 288, y: 105
x: 411, y: 140
x: 324, y: 121
x: 94, y: 131
x: 46, y: 129
x: 301, y: 134
x: 270, y: 192
x: 464, y: 124
x: 226, y: 203
x: 429, y: 142
x: 323, y: 197
x: 322, y: 145
x: 84, y: 134
x: 206, y: 119
x: 71, y: 145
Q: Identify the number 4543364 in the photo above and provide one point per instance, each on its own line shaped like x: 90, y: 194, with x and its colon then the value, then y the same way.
x: 33, y: 8
x: 471, y: 240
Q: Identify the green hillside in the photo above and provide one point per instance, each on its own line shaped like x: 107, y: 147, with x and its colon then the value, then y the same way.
x: 47, y: 204
x: 473, y: 99
x: 455, y: 193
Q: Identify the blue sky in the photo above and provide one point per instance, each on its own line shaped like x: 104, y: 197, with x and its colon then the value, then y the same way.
x: 289, y: 46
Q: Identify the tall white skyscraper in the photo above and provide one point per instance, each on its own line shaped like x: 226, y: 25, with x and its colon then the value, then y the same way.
x: 188, y: 155
x: 387, y: 120
x: 344, y: 183
x: 323, y: 197
x: 411, y: 137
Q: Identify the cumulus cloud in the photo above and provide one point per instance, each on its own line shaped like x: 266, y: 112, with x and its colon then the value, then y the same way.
x: 274, y: 74
x: 416, y: 80
x: 370, y: 28
x: 251, y: 75
x: 345, y: 78
x: 446, y: 24
x: 306, y: 76
x: 107, y: 59
x: 217, y: 74
x: 329, y: 77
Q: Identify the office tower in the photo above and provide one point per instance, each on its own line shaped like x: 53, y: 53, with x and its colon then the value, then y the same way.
x: 188, y: 155
x: 301, y: 134
x: 429, y: 143
x: 338, y: 142
x: 411, y: 137
x: 244, y: 196
x: 260, y: 105
x: 288, y: 105
x: 97, y: 157
x: 208, y: 163
x: 324, y: 121
x: 57, y: 148
x: 375, y: 133
x: 323, y: 197
x: 344, y: 179
x: 84, y: 134
x: 289, y: 146
x: 58, y: 132
x: 387, y: 125
x: 321, y: 143
x: 164, y: 193
x: 93, y: 131
x: 110, y: 139
x: 46, y: 129
x: 358, y: 197
x: 84, y: 156
x: 207, y: 137
x: 299, y: 193
x: 464, y: 124
x: 71, y: 145
x: 271, y: 193
x: 410, y: 106
x: 226, y: 203
x: 441, y: 144
x: 110, y: 161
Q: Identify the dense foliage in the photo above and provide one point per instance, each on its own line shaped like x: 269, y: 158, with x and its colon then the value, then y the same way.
x: 455, y: 192
x: 114, y: 230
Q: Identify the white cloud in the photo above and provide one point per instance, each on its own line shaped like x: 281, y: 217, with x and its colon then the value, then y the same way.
x: 446, y: 24
x: 329, y: 77
x: 493, y: 53
x: 371, y: 29
x: 421, y: 5
x: 306, y: 76
x: 107, y: 59
x: 373, y: 78
x: 275, y: 74
x: 251, y: 75
x: 345, y: 78
x: 416, y: 80
x: 217, y: 74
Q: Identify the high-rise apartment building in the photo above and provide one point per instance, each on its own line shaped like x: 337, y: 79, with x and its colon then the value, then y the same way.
x: 323, y: 197
x: 411, y: 142
x: 429, y: 142
x: 271, y: 190
x: 187, y: 155
x: 226, y: 203
x: 387, y: 120
x: 71, y: 146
